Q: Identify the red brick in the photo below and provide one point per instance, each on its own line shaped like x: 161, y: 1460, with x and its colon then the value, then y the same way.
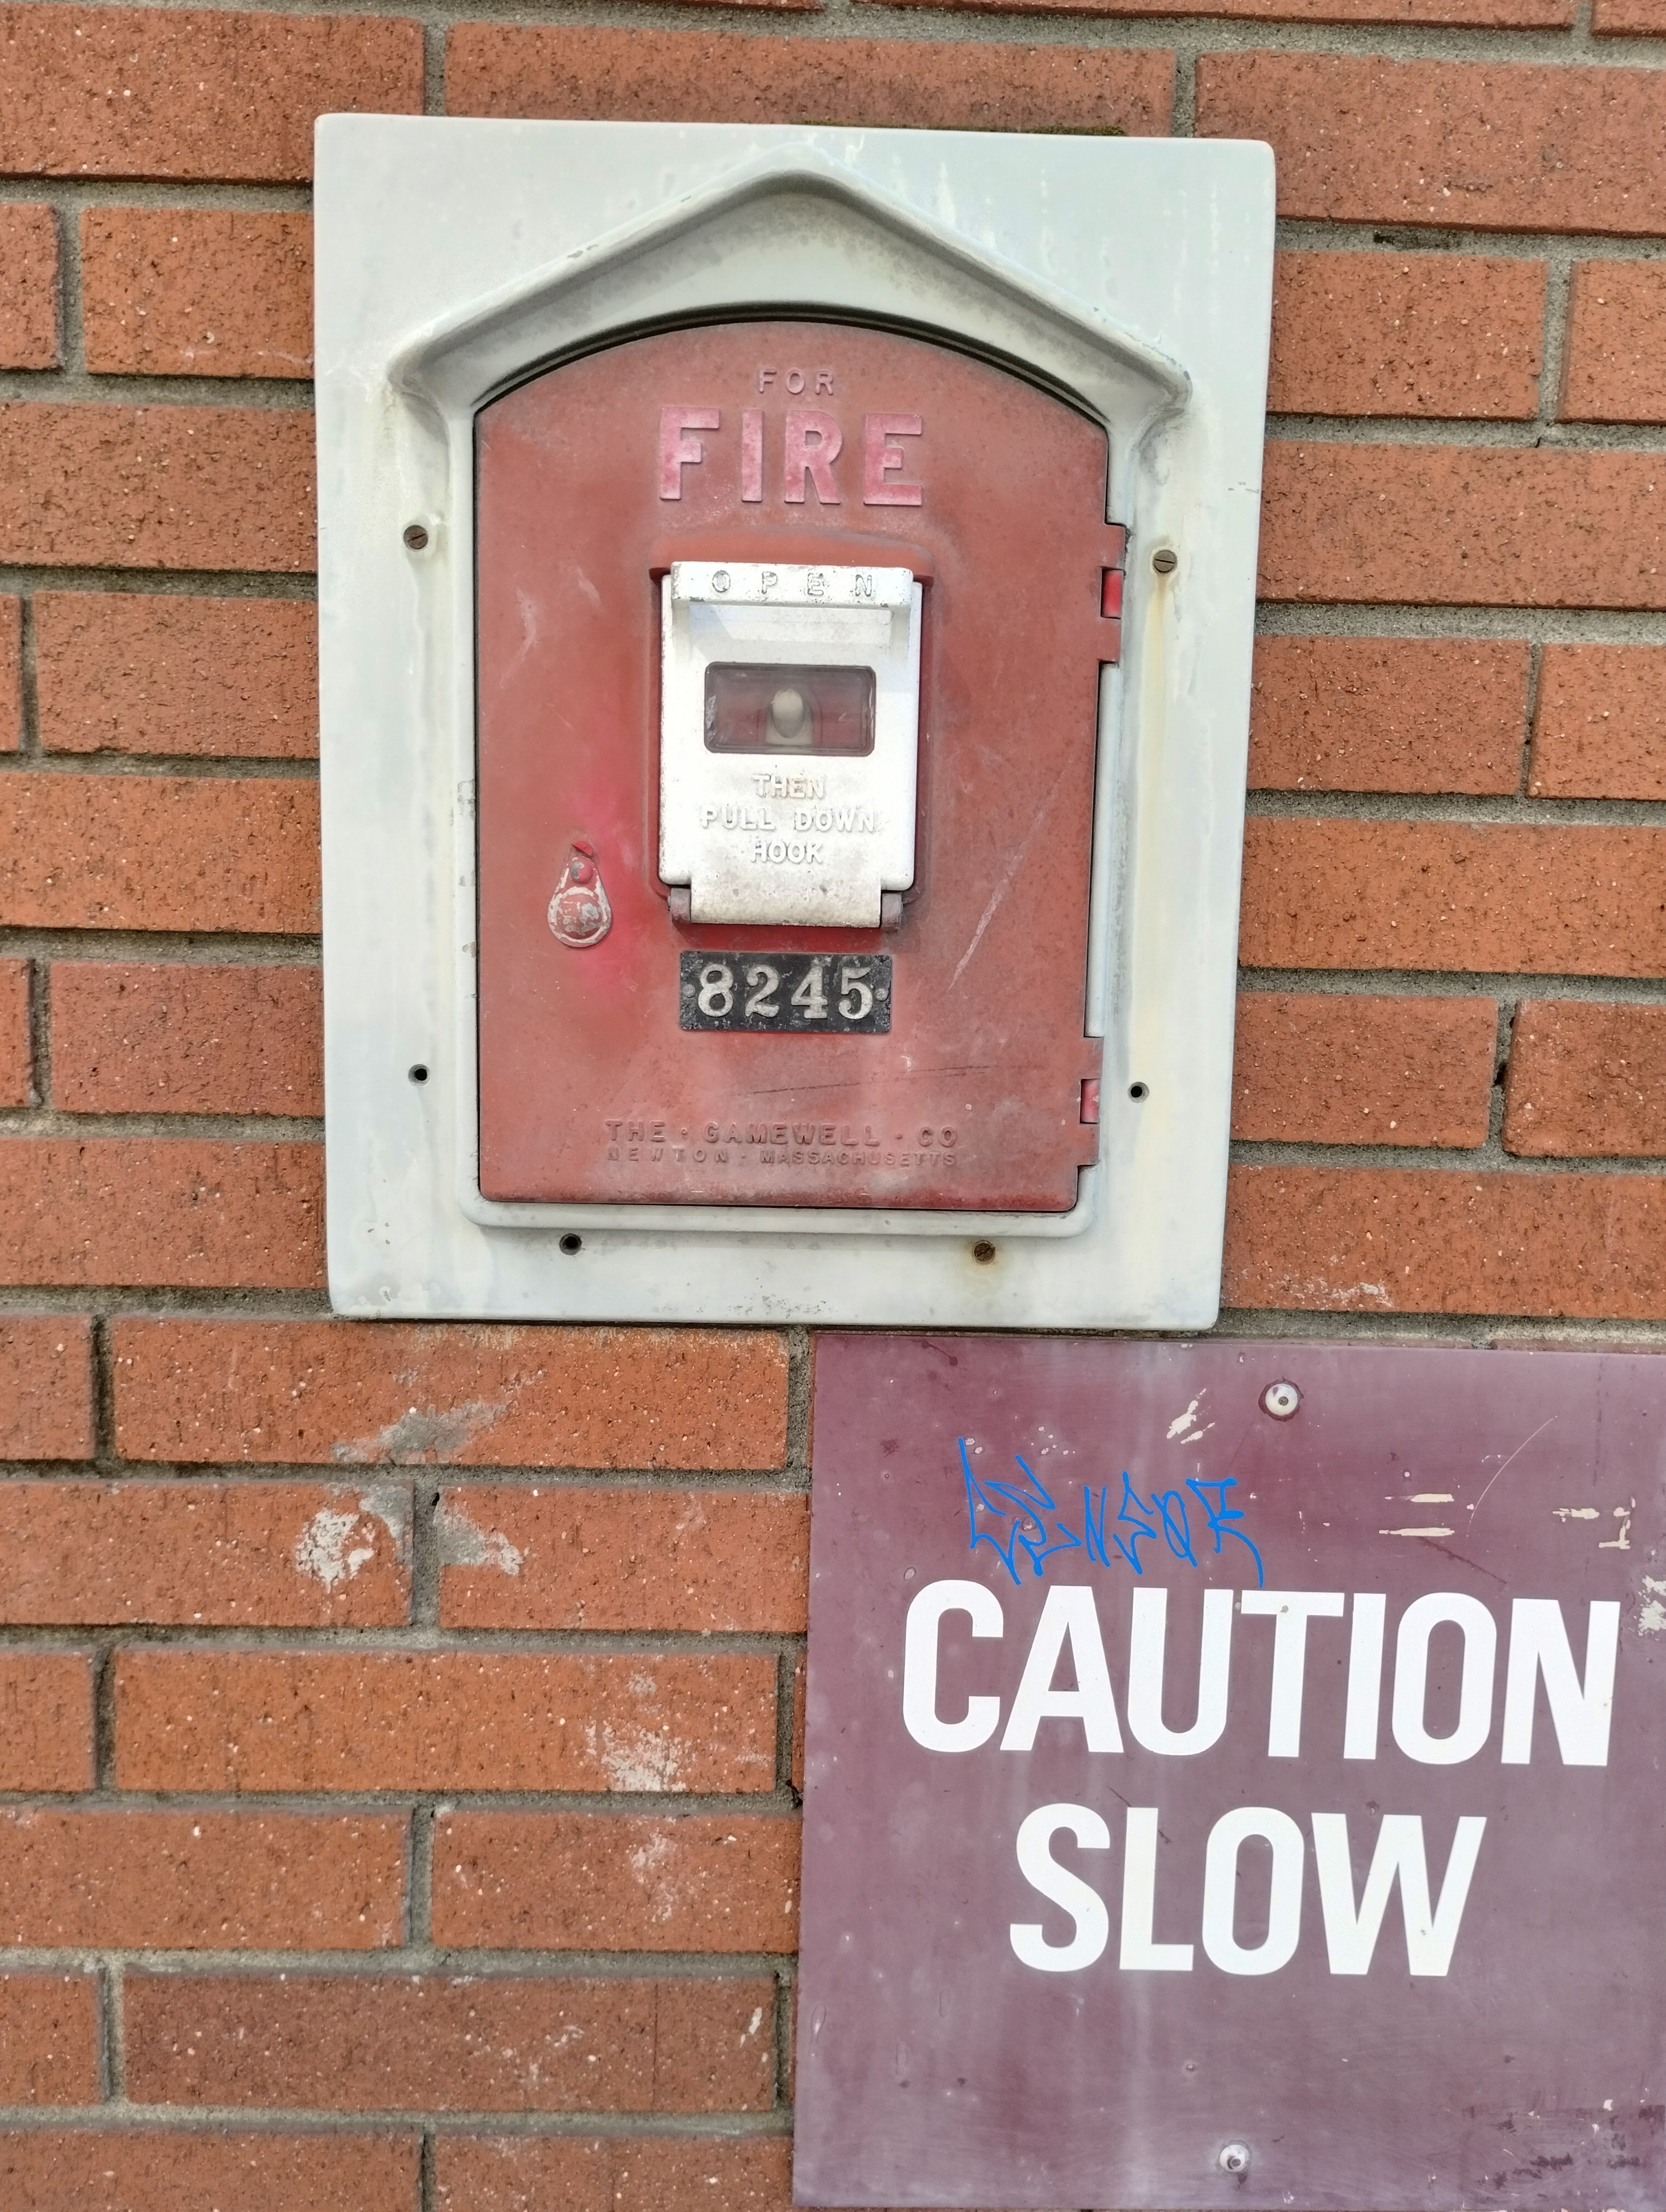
x: 1587, y: 1079
x: 1440, y: 895
x: 28, y: 287
x: 210, y: 1554
x: 12, y: 673
x: 136, y: 673
x: 1406, y: 334
x: 1317, y: 1068
x: 397, y: 1394
x: 697, y: 1560
x: 707, y: 76
x: 352, y: 2044
x: 1586, y: 1246
x: 613, y: 2173
x: 46, y: 1720
x: 186, y: 1039
x: 152, y: 2170
x: 1495, y: 14
x: 200, y: 1881
x: 49, y: 2041
x: 1641, y: 19
x: 1599, y: 723
x: 163, y: 1210
x: 580, y: 1881
x: 1484, y: 145
x: 442, y: 1720
x: 158, y: 852
x: 16, y: 1049
x: 1388, y: 713
x: 196, y: 292
x: 1479, y: 527
x: 107, y: 487
x: 141, y: 92
x: 45, y: 1387
x: 1616, y: 340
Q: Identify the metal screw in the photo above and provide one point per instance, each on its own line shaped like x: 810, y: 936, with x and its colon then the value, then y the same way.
x: 983, y: 1252
x: 1280, y: 1399
x: 1165, y: 560
x: 415, y: 537
x: 1234, y: 2158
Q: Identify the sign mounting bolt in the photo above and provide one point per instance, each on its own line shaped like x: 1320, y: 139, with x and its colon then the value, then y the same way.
x: 1281, y: 1400
x: 1235, y: 2156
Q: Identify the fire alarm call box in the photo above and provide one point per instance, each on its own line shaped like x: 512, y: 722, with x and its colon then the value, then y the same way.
x: 790, y: 641
x: 785, y: 607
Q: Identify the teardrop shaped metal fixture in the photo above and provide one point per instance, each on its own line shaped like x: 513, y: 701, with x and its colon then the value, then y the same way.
x: 580, y: 915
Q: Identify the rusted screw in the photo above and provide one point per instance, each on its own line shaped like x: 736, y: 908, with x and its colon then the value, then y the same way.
x: 1165, y: 560
x: 415, y: 537
x: 984, y: 1251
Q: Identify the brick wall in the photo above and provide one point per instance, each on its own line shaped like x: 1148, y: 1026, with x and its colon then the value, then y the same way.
x: 397, y: 1798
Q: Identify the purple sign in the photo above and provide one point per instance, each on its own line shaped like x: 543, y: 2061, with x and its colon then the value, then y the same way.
x: 1234, y: 1777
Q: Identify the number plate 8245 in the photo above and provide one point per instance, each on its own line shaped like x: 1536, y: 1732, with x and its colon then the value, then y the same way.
x: 845, y: 993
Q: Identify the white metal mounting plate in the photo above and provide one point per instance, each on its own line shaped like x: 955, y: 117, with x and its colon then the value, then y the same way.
x: 453, y: 257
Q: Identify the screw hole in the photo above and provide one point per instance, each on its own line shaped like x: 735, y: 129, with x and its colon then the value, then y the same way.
x: 1165, y: 560
x: 570, y: 1244
x: 1139, y: 1090
x: 983, y: 1252
x: 415, y: 537
x: 419, y: 1073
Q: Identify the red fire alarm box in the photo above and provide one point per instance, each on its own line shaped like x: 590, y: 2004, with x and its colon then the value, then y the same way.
x: 785, y: 606
x: 790, y: 641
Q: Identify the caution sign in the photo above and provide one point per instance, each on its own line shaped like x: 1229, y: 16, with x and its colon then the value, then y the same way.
x: 1234, y: 1777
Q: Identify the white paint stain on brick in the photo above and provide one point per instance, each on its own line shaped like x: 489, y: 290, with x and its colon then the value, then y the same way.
x: 326, y: 1551
x: 634, y: 1757
x: 340, y: 1541
x: 1320, y: 1290
x: 423, y: 1436
x: 463, y: 1543
x: 390, y: 1504
x: 647, y: 1861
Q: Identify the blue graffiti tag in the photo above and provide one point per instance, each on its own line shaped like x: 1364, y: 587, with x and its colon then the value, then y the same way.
x: 1038, y: 1529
